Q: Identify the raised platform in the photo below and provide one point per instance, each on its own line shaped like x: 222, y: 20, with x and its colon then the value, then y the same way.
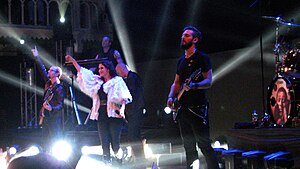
x: 270, y: 140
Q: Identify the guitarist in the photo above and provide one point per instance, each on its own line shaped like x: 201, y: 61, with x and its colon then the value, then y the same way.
x: 53, y: 98
x: 192, y: 113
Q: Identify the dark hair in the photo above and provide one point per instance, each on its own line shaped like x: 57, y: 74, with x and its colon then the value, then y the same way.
x: 110, y: 39
x: 196, y: 33
x: 110, y: 66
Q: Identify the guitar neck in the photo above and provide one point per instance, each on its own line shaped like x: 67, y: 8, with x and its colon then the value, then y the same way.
x: 180, y: 94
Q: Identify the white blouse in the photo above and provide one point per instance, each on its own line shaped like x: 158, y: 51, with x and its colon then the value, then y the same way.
x: 115, y: 89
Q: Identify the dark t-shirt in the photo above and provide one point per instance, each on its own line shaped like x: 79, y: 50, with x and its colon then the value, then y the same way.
x: 185, y: 67
x: 110, y: 55
x: 136, y: 88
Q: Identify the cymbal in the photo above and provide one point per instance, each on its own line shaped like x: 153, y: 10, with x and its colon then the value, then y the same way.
x: 279, y: 20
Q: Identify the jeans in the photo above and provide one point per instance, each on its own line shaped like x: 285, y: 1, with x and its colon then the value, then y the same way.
x: 195, y: 131
x: 109, y: 131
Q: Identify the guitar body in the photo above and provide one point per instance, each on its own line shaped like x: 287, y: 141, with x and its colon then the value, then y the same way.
x: 41, y: 116
x: 47, y: 100
x: 176, y: 102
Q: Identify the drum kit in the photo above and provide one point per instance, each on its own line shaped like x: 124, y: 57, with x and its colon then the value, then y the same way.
x: 283, y: 98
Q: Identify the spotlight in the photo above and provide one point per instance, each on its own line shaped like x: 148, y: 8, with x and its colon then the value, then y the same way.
x: 62, y: 150
x: 12, y: 150
x: 62, y: 19
x: 167, y: 110
x: 195, y: 164
x: 147, y: 150
x: 86, y: 150
x: 31, y: 151
x: 220, y: 144
x: 22, y: 41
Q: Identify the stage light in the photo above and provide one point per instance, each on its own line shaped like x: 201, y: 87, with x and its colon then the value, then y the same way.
x: 62, y: 150
x: 12, y: 151
x: 218, y: 144
x: 97, y: 150
x: 31, y: 151
x: 122, y: 34
x: 62, y: 19
x: 147, y: 150
x: 22, y: 41
x: 167, y: 110
x: 196, y: 164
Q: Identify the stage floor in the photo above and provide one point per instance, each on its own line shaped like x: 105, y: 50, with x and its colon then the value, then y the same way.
x: 165, y: 142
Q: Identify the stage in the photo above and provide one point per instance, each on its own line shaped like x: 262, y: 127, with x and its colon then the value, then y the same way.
x: 270, y: 140
x: 165, y: 144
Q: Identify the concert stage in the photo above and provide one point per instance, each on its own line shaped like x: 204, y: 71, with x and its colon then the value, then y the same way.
x: 165, y: 144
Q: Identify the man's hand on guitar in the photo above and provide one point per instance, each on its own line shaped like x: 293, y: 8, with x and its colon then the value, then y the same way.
x: 193, y: 86
x: 47, y: 106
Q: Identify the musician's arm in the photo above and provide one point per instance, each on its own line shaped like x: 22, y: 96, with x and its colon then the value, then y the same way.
x: 205, y: 83
x: 59, y: 97
x: 174, y: 90
x: 40, y: 65
x: 118, y: 57
x: 73, y: 61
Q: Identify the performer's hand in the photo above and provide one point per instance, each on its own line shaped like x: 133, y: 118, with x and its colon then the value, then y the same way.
x: 193, y: 85
x: 117, y: 54
x: 170, y: 102
x: 186, y: 87
x: 69, y: 58
x: 35, y: 51
x: 47, y: 106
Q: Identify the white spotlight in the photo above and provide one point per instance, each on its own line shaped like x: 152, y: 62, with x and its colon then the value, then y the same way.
x: 22, y: 41
x: 218, y: 144
x: 85, y: 150
x: 31, y: 151
x: 62, y: 150
x: 62, y: 19
x: 12, y: 151
x: 196, y: 164
x: 167, y: 110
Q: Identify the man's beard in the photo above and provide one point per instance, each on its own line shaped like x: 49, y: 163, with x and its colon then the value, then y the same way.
x: 186, y: 46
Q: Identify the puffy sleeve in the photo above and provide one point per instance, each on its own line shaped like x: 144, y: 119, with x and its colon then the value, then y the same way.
x: 90, y: 84
x: 117, y: 92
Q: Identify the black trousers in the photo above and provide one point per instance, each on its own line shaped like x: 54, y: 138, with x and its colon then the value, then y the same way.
x: 109, y: 131
x: 134, y: 132
x: 194, y: 129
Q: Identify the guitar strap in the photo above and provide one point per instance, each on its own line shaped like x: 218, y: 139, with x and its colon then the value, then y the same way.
x: 50, y: 91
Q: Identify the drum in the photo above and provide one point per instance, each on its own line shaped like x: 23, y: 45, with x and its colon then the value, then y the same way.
x: 283, y: 100
x: 291, y: 63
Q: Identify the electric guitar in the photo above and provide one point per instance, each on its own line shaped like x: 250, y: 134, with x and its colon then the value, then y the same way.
x: 176, y: 103
x: 47, y: 98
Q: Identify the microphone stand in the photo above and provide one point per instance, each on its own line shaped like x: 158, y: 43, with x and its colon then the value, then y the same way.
x: 74, y: 103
